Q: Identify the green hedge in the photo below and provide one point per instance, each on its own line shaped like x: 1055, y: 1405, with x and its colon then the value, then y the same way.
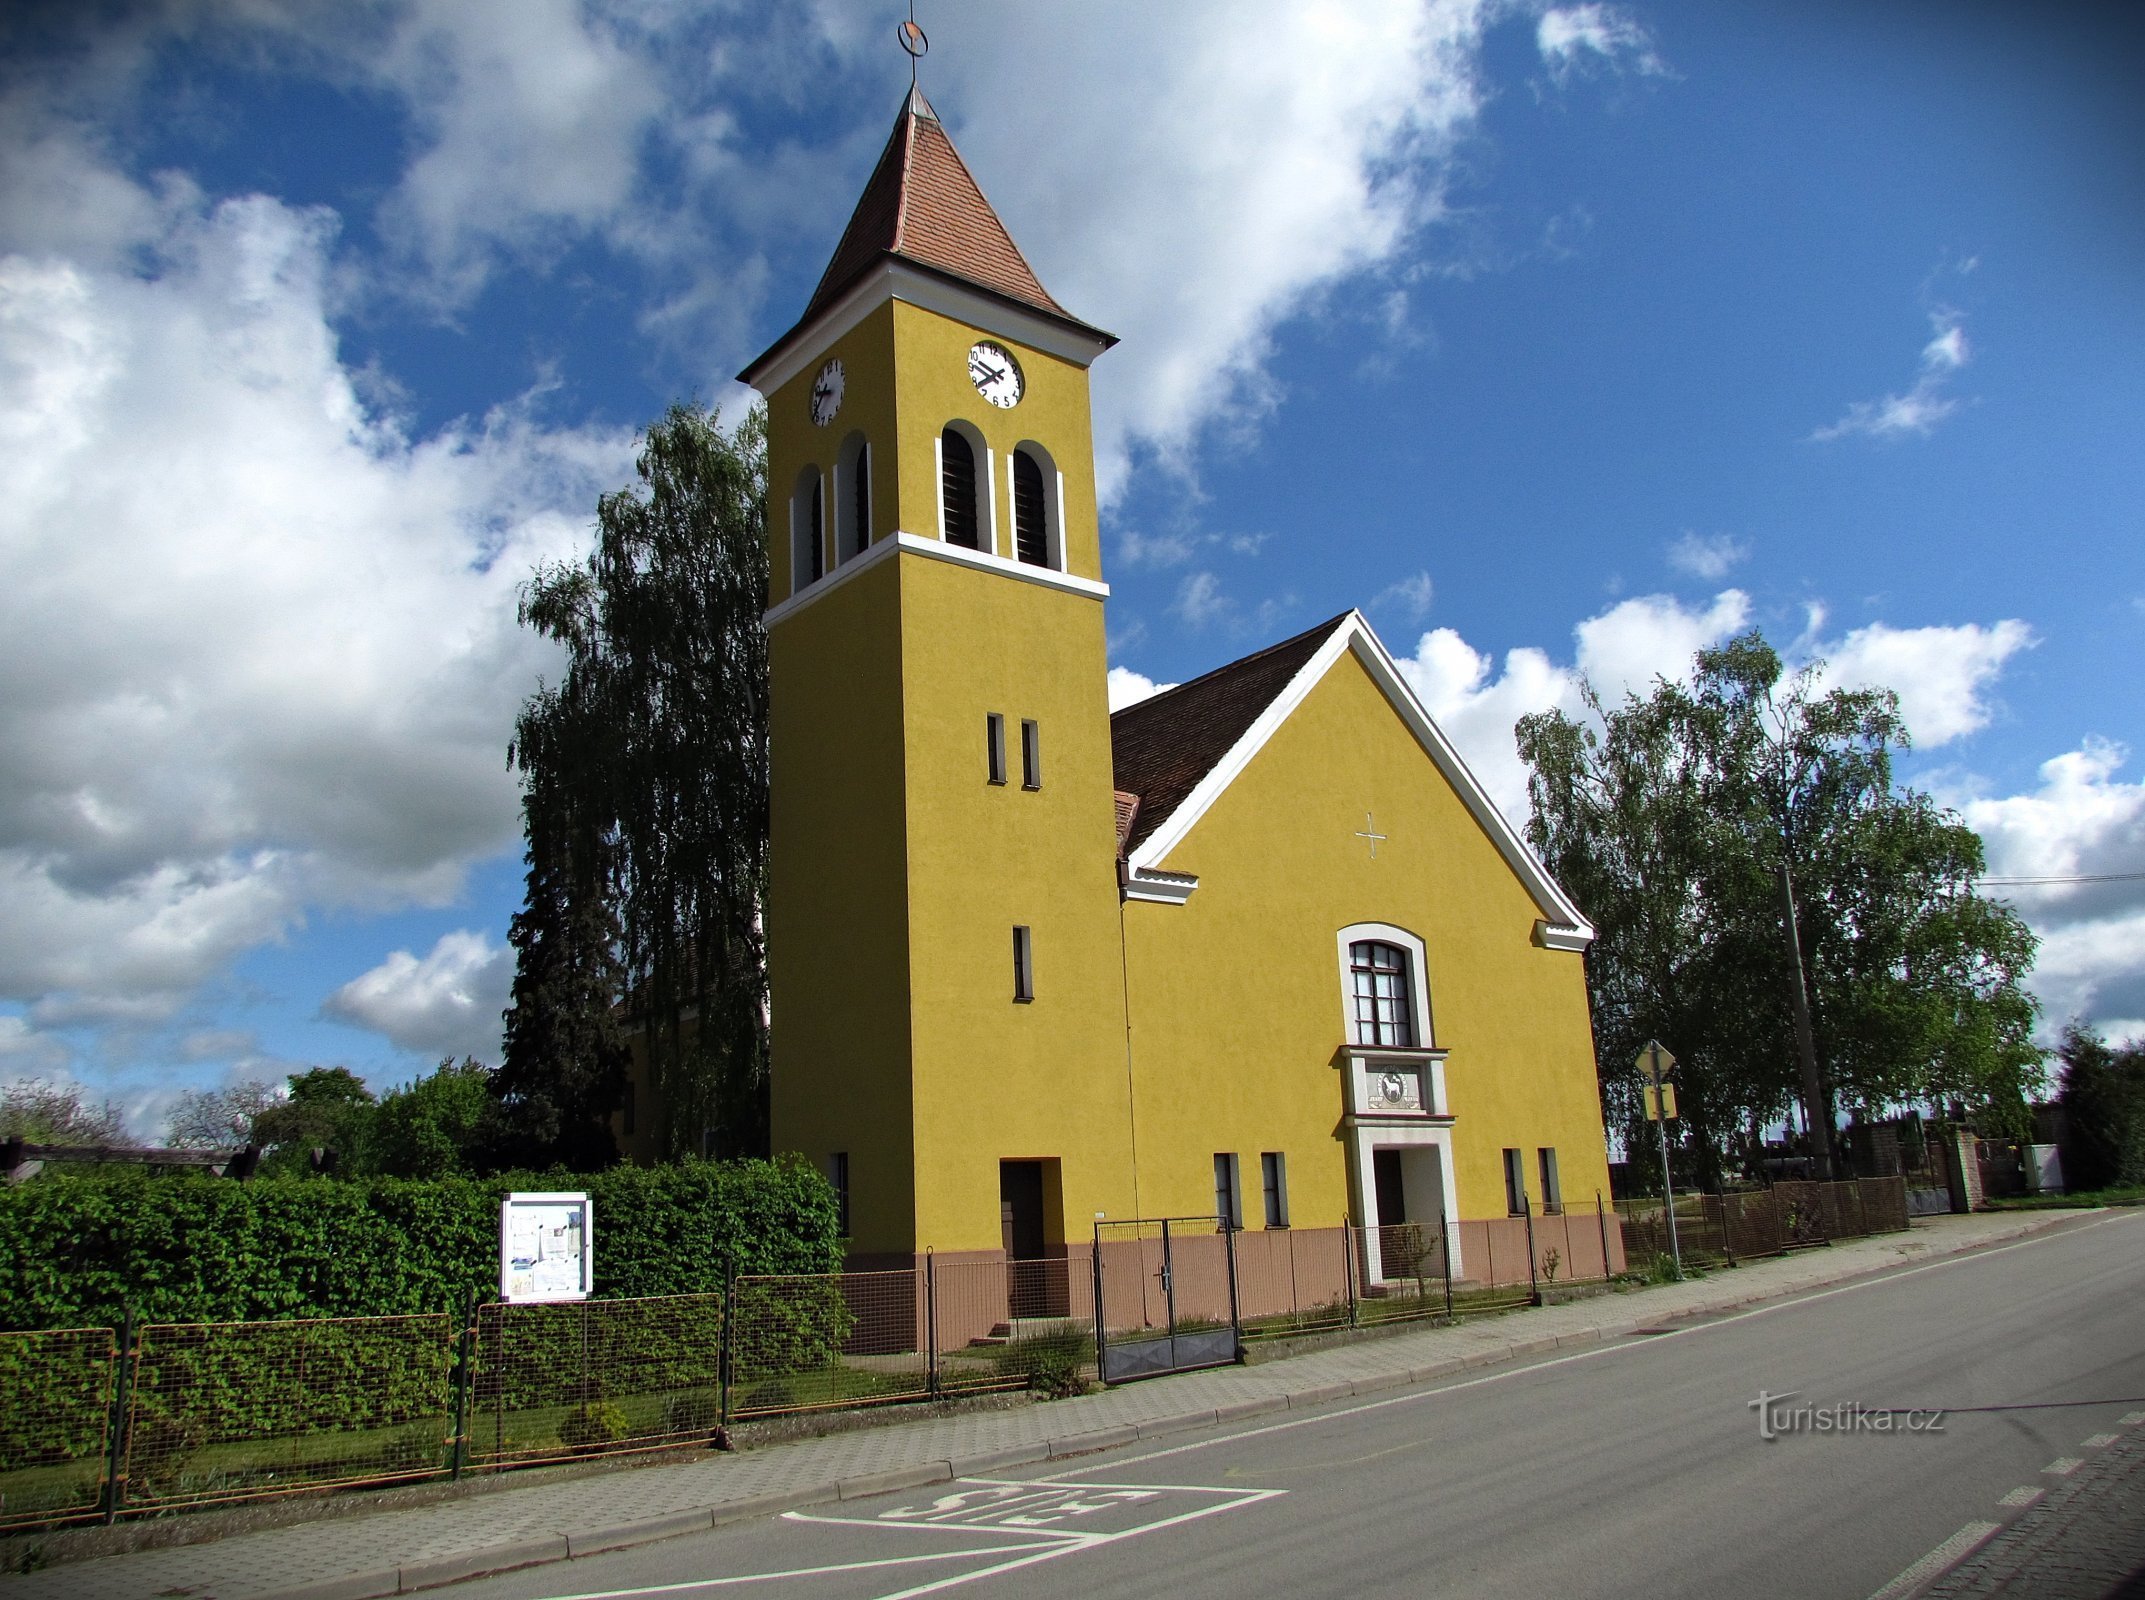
x: 81, y: 1251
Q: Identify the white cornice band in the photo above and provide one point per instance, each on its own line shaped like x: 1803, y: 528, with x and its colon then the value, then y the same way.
x: 935, y: 550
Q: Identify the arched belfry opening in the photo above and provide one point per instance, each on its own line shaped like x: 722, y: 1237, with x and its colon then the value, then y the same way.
x: 963, y: 507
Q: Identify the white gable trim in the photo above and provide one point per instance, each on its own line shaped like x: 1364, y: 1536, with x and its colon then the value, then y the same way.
x: 1562, y: 926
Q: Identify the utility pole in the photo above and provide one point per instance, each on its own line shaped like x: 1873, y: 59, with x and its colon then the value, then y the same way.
x: 1816, y: 1118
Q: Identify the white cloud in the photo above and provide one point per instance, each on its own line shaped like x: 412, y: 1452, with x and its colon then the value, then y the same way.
x: 1622, y: 649
x: 1942, y: 675
x: 1200, y: 600
x: 1129, y: 688
x: 1709, y: 557
x: 1266, y: 151
x: 1568, y: 37
x: 1922, y: 407
x: 446, y: 1004
x: 1410, y: 597
x: 257, y: 651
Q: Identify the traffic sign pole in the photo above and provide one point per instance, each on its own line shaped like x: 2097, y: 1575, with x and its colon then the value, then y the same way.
x: 1651, y: 1056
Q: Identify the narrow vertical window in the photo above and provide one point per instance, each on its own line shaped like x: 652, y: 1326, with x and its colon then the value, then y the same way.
x: 1552, y: 1191
x: 957, y: 488
x: 1023, y: 966
x: 1031, y: 534
x: 1228, y: 1203
x: 838, y: 1181
x: 860, y: 504
x: 1273, y: 1172
x: 1515, y: 1181
x: 816, y: 530
x: 994, y: 746
x: 1031, y: 755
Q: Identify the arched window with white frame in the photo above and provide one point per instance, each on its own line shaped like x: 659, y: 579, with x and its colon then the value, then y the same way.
x: 964, y: 498
x: 808, y: 530
x: 852, y: 499
x: 1384, y: 987
x: 1038, y: 496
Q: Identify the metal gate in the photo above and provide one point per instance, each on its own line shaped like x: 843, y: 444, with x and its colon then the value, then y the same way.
x: 1165, y: 1297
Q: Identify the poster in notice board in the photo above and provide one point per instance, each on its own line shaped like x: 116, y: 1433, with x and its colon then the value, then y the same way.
x: 546, y: 1247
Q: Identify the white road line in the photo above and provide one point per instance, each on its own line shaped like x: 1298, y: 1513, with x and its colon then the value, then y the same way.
x: 2099, y: 1441
x: 2064, y: 1466
x: 794, y: 1572
x: 2130, y: 1419
x: 1952, y: 1550
x: 2021, y: 1497
x: 1654, y: 1342
x: 1067, y: 1547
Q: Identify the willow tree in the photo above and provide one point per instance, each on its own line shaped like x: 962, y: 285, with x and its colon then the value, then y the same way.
x: 645, y: 783
x: 1677, y: 820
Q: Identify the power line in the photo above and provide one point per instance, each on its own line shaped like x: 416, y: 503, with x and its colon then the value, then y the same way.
x: 2089, y: 877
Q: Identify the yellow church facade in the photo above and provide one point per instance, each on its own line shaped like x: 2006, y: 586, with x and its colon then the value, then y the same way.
x: 1258, y: 946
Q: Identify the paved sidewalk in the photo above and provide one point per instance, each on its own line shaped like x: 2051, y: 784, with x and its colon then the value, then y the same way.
x: 2086, y: 1541
x: 356, y: 1557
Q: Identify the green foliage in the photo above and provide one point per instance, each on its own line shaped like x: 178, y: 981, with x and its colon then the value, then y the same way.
x: 1055, y: 1365
x: 588, y: 1428
x: 433, y: 1128
x: 327, y: 1108
x: 80, y: 1250
x: 37, y: 1111
x: 645, y: 808
x: 2103, y: 1096
x: 1670, y: 819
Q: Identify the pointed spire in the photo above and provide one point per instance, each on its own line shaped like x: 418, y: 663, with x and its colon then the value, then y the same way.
x: 922, y: 203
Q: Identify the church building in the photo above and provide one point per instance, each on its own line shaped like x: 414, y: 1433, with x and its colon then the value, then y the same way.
x: 1257, y: 947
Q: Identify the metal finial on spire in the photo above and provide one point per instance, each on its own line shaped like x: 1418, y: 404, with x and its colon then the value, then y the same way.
x: 914, y: 41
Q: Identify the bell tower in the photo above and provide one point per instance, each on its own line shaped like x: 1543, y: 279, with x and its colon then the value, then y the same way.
x: 945, y: 952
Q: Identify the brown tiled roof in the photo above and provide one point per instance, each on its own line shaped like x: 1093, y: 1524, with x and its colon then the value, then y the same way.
x: 1128, y: 807
x: 924, y: 204
x: 1163, y: 746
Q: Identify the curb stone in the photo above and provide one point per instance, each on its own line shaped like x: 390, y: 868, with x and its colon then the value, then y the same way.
x: 499, y: 1558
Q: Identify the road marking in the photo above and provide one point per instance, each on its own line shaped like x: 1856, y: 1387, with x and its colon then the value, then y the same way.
x: 2100, y: 1441
x: 1951, y: 1551
x: 1073, y: 1543
x: 2064, y: 1466
x: 2021, y: 1497
x: 2130, y: 1419
x: 794, y: 1572
x: 1658, y: 1342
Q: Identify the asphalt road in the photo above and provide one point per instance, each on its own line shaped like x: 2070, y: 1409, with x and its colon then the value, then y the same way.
x: 1632, y: 1468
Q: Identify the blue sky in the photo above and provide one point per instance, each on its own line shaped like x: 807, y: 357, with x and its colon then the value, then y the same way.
x: 1561, y: 339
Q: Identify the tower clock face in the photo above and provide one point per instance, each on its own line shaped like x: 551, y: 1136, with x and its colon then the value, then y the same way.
x: 996, y: 375
x: 827, y: 393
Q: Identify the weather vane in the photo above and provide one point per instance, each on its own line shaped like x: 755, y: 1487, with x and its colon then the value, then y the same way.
x: 914, y: 40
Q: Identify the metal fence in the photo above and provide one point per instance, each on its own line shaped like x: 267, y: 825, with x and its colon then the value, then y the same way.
x: 1307, y: 1280
x: 56, y: 1424
x: 171, y: 1415
x: 1747, y: 1224
x: 237, y: 1410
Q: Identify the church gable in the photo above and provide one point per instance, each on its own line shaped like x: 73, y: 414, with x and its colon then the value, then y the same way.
x: 1180, y: 752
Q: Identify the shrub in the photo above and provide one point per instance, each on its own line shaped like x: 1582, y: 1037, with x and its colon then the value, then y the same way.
x: 591, y: 1426
x: 1054, y: 1364
x: 81, y: 1250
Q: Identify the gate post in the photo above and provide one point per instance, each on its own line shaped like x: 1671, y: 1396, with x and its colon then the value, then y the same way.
x: 1534, y: 1282
x: 115, y: 1462
x: 1169, y: 1291
x: 1236, y: 1305
x: 1444, y: 1245
x: 1727, y: 1234
x: 1602, y: 1218
x: 1348, y: 1269
x: 725, y: 1359
x: 931, y: 1319
x: 1102, y: 1365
